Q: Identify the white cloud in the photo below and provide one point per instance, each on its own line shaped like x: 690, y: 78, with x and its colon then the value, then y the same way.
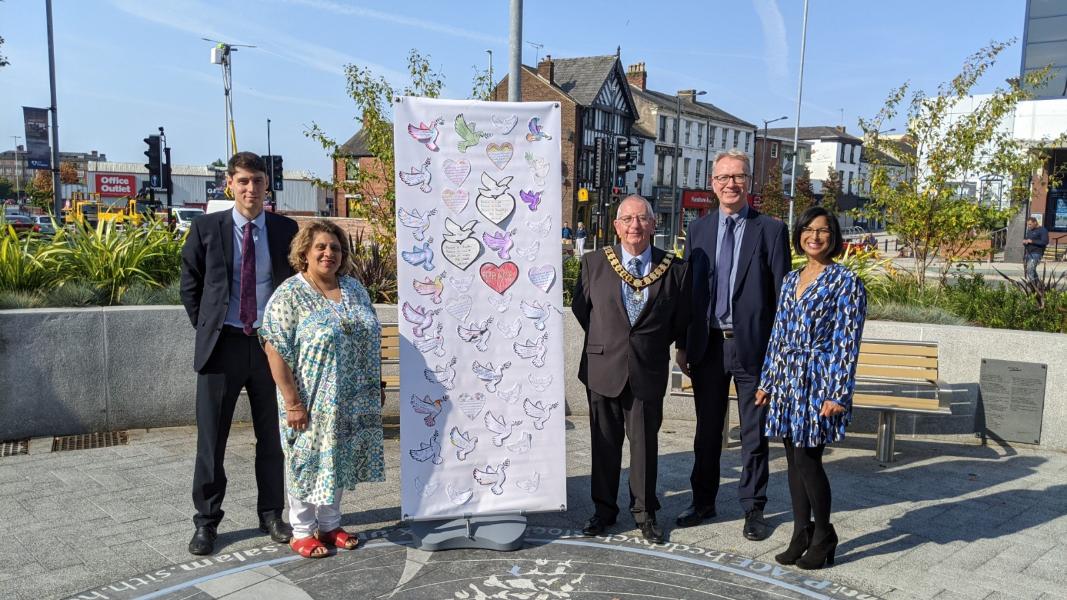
x: 367, y: 13
x: 775, y: 46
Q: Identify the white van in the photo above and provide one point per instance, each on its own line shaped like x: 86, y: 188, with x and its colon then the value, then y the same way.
x: 183, y: 216
x: 219, y: 205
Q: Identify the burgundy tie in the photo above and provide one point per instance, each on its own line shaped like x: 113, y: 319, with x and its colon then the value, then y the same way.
x: 247, y: 313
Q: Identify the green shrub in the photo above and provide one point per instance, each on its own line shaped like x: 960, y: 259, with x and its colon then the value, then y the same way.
x: 1005, y: 306
x: 28, y: 262
x: 375, y: 267
x: 571, y: 267
x: 140, y: 294
x: 912, y: 313
x: 73, y: 293
x: 12, y: 299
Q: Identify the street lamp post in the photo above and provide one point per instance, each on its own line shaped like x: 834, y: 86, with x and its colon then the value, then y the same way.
x: 492, y: 84
x: 763, y: 161
x: 796, y: 126
x: 675, y: 199
x: 18, y: 192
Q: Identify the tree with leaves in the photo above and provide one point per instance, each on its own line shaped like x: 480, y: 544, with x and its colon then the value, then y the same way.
x: 831, y: 189
x: 805, y: 193
x: 3, y: 59
x: 39, y: 189
x: 68, y: 173
x: 7, y: 188
x: 926, y: 211
x: 772, y: 200
x: 482, y: 85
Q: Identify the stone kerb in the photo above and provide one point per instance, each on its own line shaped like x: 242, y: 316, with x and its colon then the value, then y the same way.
x: 66, y: 371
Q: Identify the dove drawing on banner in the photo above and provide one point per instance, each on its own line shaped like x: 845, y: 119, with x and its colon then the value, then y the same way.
x: 443, y: 374
x: 456, y: 233
x: 535, y: 350
x: 420, y: 318
x: 539, y: 412
x: 416, y: 221
x: 429, y: 450
x: 468, y: 133
x: 539, y: 312
x: 476, y: 333
x: 428, y: 407
x: 432, y: 288
x: 420, y: 177
x: 420, y: 256
x: 536, y: 134
x: 458, y: 497
x: 540, y: 383
x: 510, y: 331
x: 493, y: 477
x: 501, y: 242
x: 542, y: 227
x: 464, y: 442
x: 461, y: 283
x: 502, y: 303
x: 500, y: 427
x: 523, y: 445
x: 490, y: 374
x: 503, y: 126
x: 538, y: 168
x: 427, y: 134
x: 530, y: 485
x: 510, y: 395
x: 531, y: 198
x: 435, y: 343
x: 529, y: 252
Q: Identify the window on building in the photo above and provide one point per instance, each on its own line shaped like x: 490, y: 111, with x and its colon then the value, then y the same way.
x: 661, y: 160
x: 724, y: 132
x: 662, y: 128
x: 640, y: 152
x: 700, y: 134
x: 685, y: 172
x: 688, y: 132
x: 774, y: 149
x: 852, y: 155
x: 748, y: 140
x: 840, y: 178
x: 711, y: 134
x: 697, y: 181
x: 674, y: 132
x: 843, y: 147
x: 850, y: 182
x: 737, y: 138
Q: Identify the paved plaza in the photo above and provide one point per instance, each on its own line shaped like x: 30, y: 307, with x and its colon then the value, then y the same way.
x: 946, y: 521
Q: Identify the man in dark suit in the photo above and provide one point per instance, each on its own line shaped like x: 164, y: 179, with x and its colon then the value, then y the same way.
x: 737, y: 260
x: 231, y: 262
x: 630, y: 301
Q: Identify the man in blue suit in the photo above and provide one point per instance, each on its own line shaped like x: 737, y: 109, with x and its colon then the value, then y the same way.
x: 737, y: 259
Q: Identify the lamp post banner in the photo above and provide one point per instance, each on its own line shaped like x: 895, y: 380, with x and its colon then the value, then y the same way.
x: 480, y: 278
x: 38, y: 152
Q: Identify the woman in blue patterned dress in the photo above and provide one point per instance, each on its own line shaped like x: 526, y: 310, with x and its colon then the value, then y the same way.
x: 808, y: 377
x: 322, y: 339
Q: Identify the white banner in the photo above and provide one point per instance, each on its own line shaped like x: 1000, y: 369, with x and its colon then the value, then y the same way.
x: 480, y: 278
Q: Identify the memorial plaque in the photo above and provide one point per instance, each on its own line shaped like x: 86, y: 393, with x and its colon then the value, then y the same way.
x: 1013, y: 399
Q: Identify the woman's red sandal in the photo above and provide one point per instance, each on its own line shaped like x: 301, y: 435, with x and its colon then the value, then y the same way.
x: 308, y: 547
x: 339, y: 538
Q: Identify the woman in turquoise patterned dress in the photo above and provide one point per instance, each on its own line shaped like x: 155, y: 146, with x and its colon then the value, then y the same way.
x: 322, y: 339
x: 808, y: 377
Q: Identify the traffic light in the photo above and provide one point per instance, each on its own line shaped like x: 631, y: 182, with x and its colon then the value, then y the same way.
x: 625, y: 155
x: 278, y: 183
x: 165, y: 170
x: 154, y: 164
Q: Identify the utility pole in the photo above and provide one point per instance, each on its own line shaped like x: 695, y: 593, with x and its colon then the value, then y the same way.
x: 492, y: 83
x: 515, y: 56
x: 18, y: 193
x: 57, y: 200
x: 796, y: 126
x: 273, y: 193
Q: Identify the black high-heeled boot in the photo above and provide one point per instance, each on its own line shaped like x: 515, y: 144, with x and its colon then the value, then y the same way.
x: 821, y: 551
x: 800, y: 542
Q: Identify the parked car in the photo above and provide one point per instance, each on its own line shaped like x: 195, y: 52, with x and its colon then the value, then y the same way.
x: 44, y: 223
x: 21, y: 223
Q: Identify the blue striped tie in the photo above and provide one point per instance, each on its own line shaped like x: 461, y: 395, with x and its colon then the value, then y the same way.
x: 635, y: 299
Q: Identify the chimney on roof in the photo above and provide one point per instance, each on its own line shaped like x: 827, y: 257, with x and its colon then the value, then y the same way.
x: 547, y: 68
x: 637, y: 76
x: 840, y: 128
x: 688, y: 95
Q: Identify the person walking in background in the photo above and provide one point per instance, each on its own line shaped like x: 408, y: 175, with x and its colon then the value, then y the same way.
x: 231, y: 263
x: 579, y: 239
x: 322, y: 338
x: 808, y: 378
x: 566, y: 233
x: 1035, y: 240
x: 630, y: 301
x: 737, y: 258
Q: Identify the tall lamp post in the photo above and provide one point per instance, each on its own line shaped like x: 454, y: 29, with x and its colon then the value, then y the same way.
x: 796, y: 126
x: 675, y: 200
x: 763, y: 161
x: 18, y: 192
x: 492, y: 84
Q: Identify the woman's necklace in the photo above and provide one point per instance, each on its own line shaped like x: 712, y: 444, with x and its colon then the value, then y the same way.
x: 348, y: 326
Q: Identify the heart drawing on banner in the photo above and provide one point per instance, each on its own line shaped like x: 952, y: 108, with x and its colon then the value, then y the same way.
x: 470, y: 405
x: 462, y: 254
x: 455, y: 199
x: 460, y: 307
x: 496, y: 208
x: 500, y: 154
x: 542, y: 277
x: 457, y: 171
x: 499, y: 277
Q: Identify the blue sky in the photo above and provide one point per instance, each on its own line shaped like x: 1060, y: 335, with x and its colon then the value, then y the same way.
x: 126, y: 67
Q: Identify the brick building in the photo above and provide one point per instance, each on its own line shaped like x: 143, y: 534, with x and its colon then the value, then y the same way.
x: 352, y: 155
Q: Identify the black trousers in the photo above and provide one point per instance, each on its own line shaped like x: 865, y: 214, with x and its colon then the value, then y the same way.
x: 639, y: 420
x: 711, y: 388
x: 237, y: 362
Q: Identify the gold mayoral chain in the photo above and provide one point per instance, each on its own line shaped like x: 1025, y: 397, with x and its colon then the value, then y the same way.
x: 634, y: 282
x: 348, y: 326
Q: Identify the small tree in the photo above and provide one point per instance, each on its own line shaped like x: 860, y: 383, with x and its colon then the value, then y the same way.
x: 7, y: 188
x: 925, y: 209
x: 39, y: 190
x: 772, y: 200
x: 805, y: 194
x: 68, y: 173
x: 831, y: 189
x: 482, y: 85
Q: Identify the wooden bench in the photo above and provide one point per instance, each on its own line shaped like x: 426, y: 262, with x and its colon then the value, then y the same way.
x: 1052, y: 254
x: 892, y: 377
x: 390, y: 355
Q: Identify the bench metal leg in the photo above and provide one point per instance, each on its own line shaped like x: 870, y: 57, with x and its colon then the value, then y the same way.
x: 887, y: 433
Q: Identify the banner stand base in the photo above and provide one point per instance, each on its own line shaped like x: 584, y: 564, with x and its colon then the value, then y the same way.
x: 500, y: 533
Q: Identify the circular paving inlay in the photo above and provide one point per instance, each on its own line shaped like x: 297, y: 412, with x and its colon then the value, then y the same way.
x: 553, y: 564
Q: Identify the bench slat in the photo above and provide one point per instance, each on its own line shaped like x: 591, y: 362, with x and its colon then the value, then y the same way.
x: 878, y: 401
x: 917, y: 373
x: 897, y: 360
x: 898, y: 349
